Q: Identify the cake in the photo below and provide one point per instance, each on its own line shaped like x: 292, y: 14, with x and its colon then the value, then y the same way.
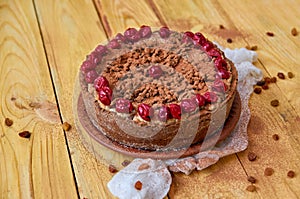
x: 157, y: 89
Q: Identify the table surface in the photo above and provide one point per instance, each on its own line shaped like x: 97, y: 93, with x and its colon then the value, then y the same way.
x: 42, y: 45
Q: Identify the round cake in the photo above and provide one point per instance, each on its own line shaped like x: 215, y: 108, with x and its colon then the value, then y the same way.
x: 158, y: 89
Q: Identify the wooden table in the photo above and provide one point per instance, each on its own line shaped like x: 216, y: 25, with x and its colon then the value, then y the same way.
x: 42, y: 44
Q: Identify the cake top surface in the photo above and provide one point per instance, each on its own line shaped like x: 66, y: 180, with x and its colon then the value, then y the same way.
x: 159, y: 74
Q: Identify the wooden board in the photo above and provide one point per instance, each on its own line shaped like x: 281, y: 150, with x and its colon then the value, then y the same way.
x: 41, y: 65
x: 37, y: 167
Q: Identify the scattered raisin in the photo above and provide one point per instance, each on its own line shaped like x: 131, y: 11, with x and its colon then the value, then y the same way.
x: 248, y: 47
x: 265, y: 87
x: 260, y: 83
x: 8, y: 122
x: 66, y: 126
x: 275, y: 137
x: 229, y: 40
x: 267, y: 80
x: 273, y: 80
x: 138, y: 185
x: 275, y: 103
x: 257, y: 90
x: 251, y: 188
x: 290, y: 75
x: 125, y: 163
x: 112, y: 168
x: 280, y: 75
x: 291, y: 174
x: 221, y: 27
x: 270, y: 34
x: 251, y: 179
x: 252, y: 156
x: 253, y: 48
x: 268, y: 171
x: 294, y: 32
x: 25, y: 134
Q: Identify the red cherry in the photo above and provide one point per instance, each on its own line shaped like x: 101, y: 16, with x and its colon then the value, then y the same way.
x: 145, y: 111
x: 220, y: 63
x: 224, y: 74
x: 120, y: 38
x: 214, y: 52
x: 91, y: 76
x: 164, y: 32
x: 175, y: 111
x: 105, y: 94
x: 155, y: 71
x: 199, y: 99
x: 114, y: 44
x: 87, y: 66
x: 101, y: 49
x: 164, y: 113
x: 219, y: 86
x: 124, y: 106
x: 188, y: 105
x: 94, y: 58
x: 207, y: 46
x: 132, y: 34
x: 199, y: 39
x: 145, y: 31
x: 100, y: 82
x: 187, y: 37
x: 210, y: 97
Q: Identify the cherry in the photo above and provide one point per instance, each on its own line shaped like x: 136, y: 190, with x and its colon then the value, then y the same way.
x: 101, y: 49
x: 155, y: 71
x: 220, y: 63
x: 132, y: 34
x: 214, y: 52
x: 224, y: 74
x: 120, y: 38
x: 199, y: 99
x: 199, y: 39
x: 100, y: 82
x: 219, y: 86
x: 188, y: 105
x: 87, y: 66
x: 164, y: 32
x: 175, y: 111
x: 145, y: 111
x: 164, y: 113
x: 91, y: 76
x: 207, y: 46
x: 210, y: 97
x: 105, y: 94
x: 124, y: 106
x: 113, y: 44
x: 145, y: 31
x: 187, y: 37
x: 94, y: 58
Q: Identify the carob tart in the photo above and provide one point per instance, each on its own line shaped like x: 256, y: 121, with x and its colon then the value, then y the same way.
x: 158, y: 90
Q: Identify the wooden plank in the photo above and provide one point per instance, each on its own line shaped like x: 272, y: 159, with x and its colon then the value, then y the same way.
x: 280, y: 53
x: 71, y: 30
x: 265, y: 119
x: 118, y: 15
x: 38, y: 167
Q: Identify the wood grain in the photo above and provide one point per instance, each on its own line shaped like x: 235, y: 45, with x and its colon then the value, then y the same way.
x: 72, y: 31
x: 37, y: 167
x: 266, y: 120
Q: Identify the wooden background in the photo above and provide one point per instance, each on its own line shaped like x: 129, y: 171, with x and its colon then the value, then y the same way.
x: 42, y: 44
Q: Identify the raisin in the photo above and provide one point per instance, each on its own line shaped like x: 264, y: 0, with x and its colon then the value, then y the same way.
x: 138, y: 185
x: 270, y: 34
x: 275, y: 137
x: 25, y: 134
x: 291, y: 174
x: 251, y: 179
x: 252, y: 156
x: 275, y: 103
x: 281, y: 75
x: 257, y: 90
x: 268, y: 171
x: 8, y: 122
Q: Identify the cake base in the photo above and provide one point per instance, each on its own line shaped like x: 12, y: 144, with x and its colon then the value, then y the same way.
x: 95, y: 140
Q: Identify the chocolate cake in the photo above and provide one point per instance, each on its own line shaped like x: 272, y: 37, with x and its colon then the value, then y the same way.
x: 158, y: 90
